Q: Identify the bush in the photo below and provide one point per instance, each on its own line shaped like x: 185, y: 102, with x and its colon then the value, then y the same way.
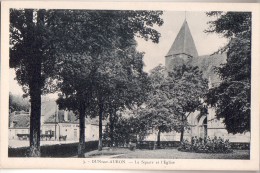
x: 152, y: 144
x: 240, y: 145
x: 206, y: 145
x: 132, y: 146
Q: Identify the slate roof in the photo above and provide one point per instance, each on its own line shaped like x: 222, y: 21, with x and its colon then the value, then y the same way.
x: 48, y: 111
x: 72, y: 118
x: 207, y: 63
x: 183, y: 43
x: 60, y: 118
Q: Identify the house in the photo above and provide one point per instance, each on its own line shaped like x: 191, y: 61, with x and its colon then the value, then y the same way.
x: 64, y: 125
x: 56, y: 124
x: 19, y: 125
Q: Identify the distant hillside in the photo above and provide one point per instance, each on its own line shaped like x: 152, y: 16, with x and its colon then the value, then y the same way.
x: 18, y: 103
x: 21, y: 120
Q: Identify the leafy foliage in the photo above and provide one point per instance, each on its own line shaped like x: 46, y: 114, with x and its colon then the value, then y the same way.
x: 158, y: 111
x: 126, y: 130
x: 174, y: 96
x: 103, y: 71
x: 206, y: 145
x: 105, y: 47
x: 232, y: 97
x: 31, y: 43
x: 17, y: 103
x: 188, y: 86
x: 229, y: 24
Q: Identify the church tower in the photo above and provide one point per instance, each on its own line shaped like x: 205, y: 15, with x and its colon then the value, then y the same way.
x: 182, y: 49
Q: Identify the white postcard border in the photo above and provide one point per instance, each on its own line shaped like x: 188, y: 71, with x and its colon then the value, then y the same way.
x: 87, y: 163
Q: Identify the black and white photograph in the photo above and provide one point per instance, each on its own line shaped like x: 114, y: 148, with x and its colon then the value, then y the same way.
x: 119, y: 85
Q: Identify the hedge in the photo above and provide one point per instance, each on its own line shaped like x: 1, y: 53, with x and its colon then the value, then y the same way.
x: 153, y: 144
x: 57, y: 151
x: 240, y: 145
x: 175, y: 144
x: 206, y: 145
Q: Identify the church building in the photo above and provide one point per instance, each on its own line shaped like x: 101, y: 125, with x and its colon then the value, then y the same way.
x: 183, y: 50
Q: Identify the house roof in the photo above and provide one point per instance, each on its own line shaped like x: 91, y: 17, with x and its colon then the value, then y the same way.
x: 92, y: 121
x: 207, y: 63
x: 183, y: 43
x: 23, y: 120
x: 60, y: 118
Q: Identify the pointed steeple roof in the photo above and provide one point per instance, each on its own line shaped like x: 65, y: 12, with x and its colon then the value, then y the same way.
x: 183, y: 43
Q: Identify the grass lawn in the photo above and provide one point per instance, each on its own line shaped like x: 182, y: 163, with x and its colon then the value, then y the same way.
x: 165, y: 154
x: 107, y: 152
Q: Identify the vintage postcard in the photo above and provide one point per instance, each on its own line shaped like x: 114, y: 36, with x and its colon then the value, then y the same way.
x: 130, y: 85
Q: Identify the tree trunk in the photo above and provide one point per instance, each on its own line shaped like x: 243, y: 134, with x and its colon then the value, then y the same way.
x: 182, y: 133
x: 159, y: 138
x: 182, y: 129
x: 111, y: 120
x: 35, y: 119
x: 100, y: 126
x: 81, y: 147
x: 35, y: 83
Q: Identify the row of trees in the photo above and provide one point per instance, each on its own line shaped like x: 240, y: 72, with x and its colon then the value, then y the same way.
x: 90, y: 56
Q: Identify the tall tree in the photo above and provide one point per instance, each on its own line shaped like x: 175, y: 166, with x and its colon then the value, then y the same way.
x: 231, y: 98
x: 157, y: 110
x: 125, y: 85
x: 187, y: 88
x: 103, y: 38
x: 31, y: 57
x: 131, y: 65
x: 175, y: 95
x: 76, y: 88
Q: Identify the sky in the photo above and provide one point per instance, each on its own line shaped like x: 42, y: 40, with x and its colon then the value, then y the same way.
x: 155, y: 53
